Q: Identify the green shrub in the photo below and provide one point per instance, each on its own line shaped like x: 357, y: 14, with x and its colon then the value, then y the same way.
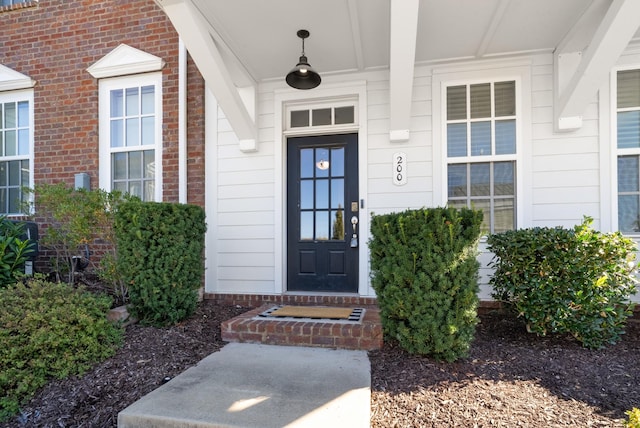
x: 424, y: 272
x: 634, y: 418
x: 160, y: 255
x: 561, y: 280
x: 49, y: 331
x: 14, y: 251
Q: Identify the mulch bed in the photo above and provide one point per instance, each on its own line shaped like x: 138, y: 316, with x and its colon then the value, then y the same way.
x: 510, y: 379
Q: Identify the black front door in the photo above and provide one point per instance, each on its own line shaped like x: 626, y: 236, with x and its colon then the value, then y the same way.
x: 322, y: 207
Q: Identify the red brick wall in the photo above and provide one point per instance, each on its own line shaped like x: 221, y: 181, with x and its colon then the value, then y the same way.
x: 54, y: 42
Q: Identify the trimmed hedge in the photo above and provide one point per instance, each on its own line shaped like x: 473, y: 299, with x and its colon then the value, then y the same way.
x: 160, y: 256
x: 49, y: 330
x: 559, y: 280
x: 424, y: 272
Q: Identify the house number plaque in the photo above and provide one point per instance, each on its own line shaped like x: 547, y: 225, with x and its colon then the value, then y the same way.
x: 399, y: 169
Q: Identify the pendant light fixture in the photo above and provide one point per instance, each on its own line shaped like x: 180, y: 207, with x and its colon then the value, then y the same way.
x: 302, y: 76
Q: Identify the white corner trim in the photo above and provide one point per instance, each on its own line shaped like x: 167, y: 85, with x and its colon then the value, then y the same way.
x: 11, y: 80
x: 125, y: 60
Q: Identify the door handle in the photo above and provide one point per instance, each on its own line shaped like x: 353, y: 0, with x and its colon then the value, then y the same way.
x: 354, y: 237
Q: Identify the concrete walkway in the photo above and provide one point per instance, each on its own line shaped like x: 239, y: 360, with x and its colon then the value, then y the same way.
x: 251, y: 385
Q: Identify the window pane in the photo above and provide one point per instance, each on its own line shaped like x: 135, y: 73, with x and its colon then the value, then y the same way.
x: 485, y: 206
x: 120, y: 186
x: 3, y: 201
x: 457, y: 203
x: 322, y: 225
x: 628, y: 214
x: 10, y: 115
x: 119, y: 165
x: 322, y: 194
x: 337, y: 162
x: 456, y: 102
x: 133, y: 132
x: 306, y: 194
x: 3, y: 175
x: 23, y: 114
x: 629, y: 129
x: 299, y: 118
x: 480, y: 176
x: 14, y: 200
x: 135, y: 165
x: 10, y: 143
x: 480, y: 100
x: 628, y: 174
x: 337, y: 225
x: 306, y: 163
x: 148, y: 131
x: 14, y: 173
x: 628, y: 88
x: 306, y: 226
x: 321, y: 117
x: 457, y: 180
x: 135, y: 189
x: 322, y: 155
x: 503, y: 215
x: 480, y: 138
x: 503, y: 178
x: 149, y: 164
x: 456, y: 139
x: 132, y: 101
x: 505, y: 137
x: 337, y: 193
x: 344, y: 115
x: 149, y: 190
x: 23, y: 142
x: 148, y: 100
x: 24, y: 168
x: 117, y: 102
x: 116, y: 134
x: 505, y: 98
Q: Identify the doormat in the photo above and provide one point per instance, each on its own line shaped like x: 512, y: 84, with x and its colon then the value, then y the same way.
x: 314, y: 313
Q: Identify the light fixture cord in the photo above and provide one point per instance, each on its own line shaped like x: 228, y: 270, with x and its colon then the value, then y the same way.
x: 302, y: 46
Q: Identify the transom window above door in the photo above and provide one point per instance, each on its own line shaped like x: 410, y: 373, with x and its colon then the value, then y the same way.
x: 325, y: 115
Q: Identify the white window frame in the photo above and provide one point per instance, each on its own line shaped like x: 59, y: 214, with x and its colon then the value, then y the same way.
x: 105, y: 88
x: 19, y: 96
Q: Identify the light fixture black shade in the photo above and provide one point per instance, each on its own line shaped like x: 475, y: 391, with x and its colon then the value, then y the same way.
x: 303, y: 76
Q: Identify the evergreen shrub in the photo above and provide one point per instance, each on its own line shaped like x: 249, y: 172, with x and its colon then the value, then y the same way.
x: 561, y: 280
x: 424, y: 272
x: 160, y: 256
x: 49, y: 330
x: 14, y: 251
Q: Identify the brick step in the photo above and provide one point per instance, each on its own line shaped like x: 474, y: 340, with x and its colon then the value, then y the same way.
x: 250, y: 327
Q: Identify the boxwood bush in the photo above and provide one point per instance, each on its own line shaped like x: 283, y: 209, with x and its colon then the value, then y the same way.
x: 561, y: 280
x: 424, y: 272
x: 160, y: 256
x: 49, y: 330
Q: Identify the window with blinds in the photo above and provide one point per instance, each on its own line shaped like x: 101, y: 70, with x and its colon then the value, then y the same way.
x: 628, y: 143
x: 481, y: 138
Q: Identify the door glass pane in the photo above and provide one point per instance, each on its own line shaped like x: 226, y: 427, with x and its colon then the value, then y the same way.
x: 337, y: 193
x: 148, y: 131
x: 116, y: 133
x: 132, y: 102
x: 480, y: 138
x: 337, y: 225
x: 505, y: 98
x: 457, y: 180
x: 628, y: 88
x: 119, y: 162
x: 504, y: 215
x: 337, y: 162
x: 628, y: 214
x: 306, y: 225
x: 480, y: 177
x: 133, y: 132
x: 148, y: 100
x: 629, y: 129
x: 322, y: 194
x: 505, y: 137
x: 23, y: 142
x: 10, y: 148
x: 306, y: 194
x: 456, y: 102
x: 135, y: 165
x: 299, y: 118
x: 306, y: 163
x: 344, y: 115
x: 321, y: 117
x: 117, y: 103
x: 456, y: 139
x: 322, y: 165
x: 503, y: 178
x: 628, y: 174
x: 322, y: 225
x: 149, y: 164
x: 23, y: 114
x: 480, y: 100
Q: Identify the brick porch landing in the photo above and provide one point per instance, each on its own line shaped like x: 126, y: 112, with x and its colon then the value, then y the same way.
x: 250, y: 328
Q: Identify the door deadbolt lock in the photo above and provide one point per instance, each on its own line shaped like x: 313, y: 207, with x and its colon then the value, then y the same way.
x: 354, y: 237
